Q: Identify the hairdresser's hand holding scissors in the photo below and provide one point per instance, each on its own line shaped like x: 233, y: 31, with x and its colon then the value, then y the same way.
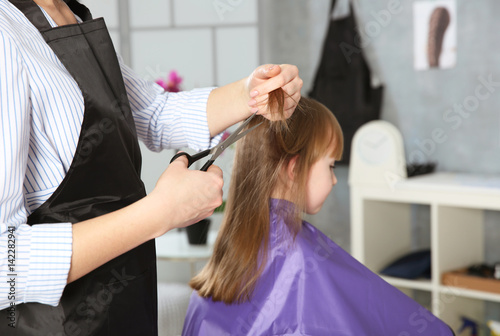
x: 195, y: 196
x: 209, y: 196
x: 217, y: 150
x: 196, y: 193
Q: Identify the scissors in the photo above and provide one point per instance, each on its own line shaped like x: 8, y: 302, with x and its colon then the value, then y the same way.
x: 217, y: 150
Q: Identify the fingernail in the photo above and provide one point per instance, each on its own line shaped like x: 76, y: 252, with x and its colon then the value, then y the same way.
x: 254, y: 94
x: 254, y: 110
x: 252, y: 102
x: 271, y: 67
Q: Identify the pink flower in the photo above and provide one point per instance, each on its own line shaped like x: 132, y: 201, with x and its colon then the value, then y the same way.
x: 161, y: 83
x: 173, y: 82
x: 225, y: 135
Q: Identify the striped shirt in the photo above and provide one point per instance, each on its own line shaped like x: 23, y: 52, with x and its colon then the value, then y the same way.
x: 41, y: 112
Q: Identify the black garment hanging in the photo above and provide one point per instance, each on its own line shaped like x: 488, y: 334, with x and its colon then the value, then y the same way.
x: 118, y: 298
x: 343, y: 80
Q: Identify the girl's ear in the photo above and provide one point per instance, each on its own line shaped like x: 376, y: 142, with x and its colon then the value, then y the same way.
x: 291, y: 167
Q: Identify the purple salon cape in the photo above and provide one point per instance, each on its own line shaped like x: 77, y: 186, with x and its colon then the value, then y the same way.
x: 311, y: 286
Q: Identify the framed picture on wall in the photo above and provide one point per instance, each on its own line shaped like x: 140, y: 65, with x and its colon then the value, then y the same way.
x: 435, y: 34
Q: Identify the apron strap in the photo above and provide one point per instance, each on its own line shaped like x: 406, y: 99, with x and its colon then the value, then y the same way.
x: 79, y: 9
x: 33, y: 13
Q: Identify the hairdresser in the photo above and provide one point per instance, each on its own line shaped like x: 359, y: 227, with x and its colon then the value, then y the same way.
x: 76, y: 227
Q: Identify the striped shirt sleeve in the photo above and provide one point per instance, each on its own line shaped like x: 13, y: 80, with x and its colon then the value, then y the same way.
x: 166, y: 119
x: 34, y: 261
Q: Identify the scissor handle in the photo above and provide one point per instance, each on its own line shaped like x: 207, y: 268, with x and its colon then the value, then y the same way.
x: 207, y: 165
x: 193, y: 158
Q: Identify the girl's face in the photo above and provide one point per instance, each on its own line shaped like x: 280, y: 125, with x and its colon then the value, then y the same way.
x: 319, y: 183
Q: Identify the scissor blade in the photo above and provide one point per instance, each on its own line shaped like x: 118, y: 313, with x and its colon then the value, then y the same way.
x: 245, y: 122
x: 242, y: 134
x: 233, y: 138
x: 235, y: 135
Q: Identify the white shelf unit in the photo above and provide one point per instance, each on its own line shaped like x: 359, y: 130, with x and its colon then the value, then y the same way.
x: 381, y: 200
x: 381, y: 231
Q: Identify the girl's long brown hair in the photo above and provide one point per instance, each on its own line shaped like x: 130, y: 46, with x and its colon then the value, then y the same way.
x: 240, y: 251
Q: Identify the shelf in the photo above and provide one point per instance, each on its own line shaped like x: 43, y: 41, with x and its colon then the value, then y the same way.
x: 447, y: 189
x: 422, y: 284
x: 469, y: 293
x: 426, y: 285
x: 457, y: 204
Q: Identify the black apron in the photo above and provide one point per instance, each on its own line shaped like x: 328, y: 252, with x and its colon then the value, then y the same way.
x: 118, y: 298
x: 343, y: 83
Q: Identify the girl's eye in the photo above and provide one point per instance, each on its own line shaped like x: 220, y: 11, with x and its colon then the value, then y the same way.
x: 332, y: 167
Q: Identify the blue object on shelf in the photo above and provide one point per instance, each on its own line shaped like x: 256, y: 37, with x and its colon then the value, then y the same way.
x: 469, y: 324
x: 411, y: 266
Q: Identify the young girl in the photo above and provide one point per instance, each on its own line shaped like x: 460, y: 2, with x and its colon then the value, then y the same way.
x: 272, y: 273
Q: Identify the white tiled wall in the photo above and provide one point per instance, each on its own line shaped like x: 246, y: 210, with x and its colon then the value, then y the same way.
x: 237, y: 52
x: 108, y: 9
x: 214, y: 12
x: 189, y: 51
x: 210, y: 43
x: 149, y: 13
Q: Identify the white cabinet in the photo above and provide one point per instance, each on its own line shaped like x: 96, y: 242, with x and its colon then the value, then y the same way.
x: 381, y: 199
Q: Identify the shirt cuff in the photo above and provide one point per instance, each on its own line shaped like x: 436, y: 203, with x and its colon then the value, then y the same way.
x: 49, y: 260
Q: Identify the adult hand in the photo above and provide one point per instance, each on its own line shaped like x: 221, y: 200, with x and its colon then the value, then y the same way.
x: 181, y: 197
x: 269, y: 77
x: 184, y: 196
